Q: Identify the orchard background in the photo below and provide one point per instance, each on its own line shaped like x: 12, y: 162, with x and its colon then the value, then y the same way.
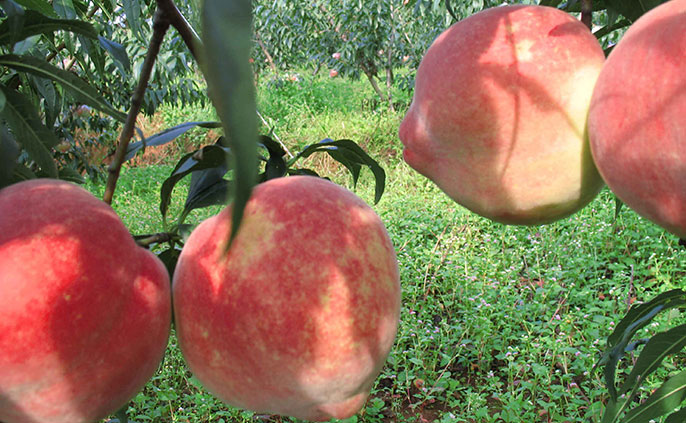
x: 498, y: 323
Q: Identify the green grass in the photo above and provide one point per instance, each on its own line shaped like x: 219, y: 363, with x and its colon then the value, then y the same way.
x: 498, y: 323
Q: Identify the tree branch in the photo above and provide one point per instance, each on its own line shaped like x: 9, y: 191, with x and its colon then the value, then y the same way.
x: 160, y: 27
x: 179, y: 22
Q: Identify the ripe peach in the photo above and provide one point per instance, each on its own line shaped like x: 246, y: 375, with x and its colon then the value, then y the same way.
x: 333, y: 73
x: 84, y: 312
x: 637, y: 120
x: 299, y: 316
x: 498, y: 118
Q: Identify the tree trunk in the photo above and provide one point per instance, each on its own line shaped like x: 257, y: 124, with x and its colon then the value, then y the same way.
x: 372, y: 80
x: 270, y: 60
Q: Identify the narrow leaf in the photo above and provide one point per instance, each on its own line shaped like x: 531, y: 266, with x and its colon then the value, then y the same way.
x: 207, y: 157
x: 308, y: 172
x: 14, y: 22
x: 29, y: 131
x: 71, y: 175
x: 117, y: 51
x: 79, y: 89
x: 208, y: 188
x: 36, y: 24
x: 64, y: 8
x: 169, y: 257
x: 227, y: 36
x: 41, y: 6
x: 654, y: 352
x: 603, y: 31
x: 132, y: 8
x: 665, y: 301
x: 632, y: 9
x: 51, y: 105
x: 664, y: 400
x: 678, y: 417
x: 350, y: 155
x: 612, y: 355
x: 637, y: 317
x: 166, y: 136
x: 9, y: 152
x: 276, y: 164
x: 551, y: 3
x: 23, y: 173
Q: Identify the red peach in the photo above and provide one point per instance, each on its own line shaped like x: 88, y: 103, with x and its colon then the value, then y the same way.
x: 498, y: 118
x: 299, y: 316
x: 637, y: 120
x: 84, y: 312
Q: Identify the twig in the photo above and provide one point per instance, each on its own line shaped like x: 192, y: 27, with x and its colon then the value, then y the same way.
x: 269, y: 57
x: 160, y: 27
x: 147, y: 240
x: 276, y: 137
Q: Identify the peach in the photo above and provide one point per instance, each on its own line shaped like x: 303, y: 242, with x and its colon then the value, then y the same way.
x: 299, y: 316
x: 498, y: 117
x: 637, y: 119
x: 85, y: 313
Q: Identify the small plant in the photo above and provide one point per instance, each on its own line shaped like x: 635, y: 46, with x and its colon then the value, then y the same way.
x: 628, y: 402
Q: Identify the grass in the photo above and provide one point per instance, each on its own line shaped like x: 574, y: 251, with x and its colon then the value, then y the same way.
x: 498, y: 323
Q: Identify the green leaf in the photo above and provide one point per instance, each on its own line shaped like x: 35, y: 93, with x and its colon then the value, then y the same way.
x: 51, y: 104
x: 678, y: 417
x: 169, y: 257
x: 14, y: 22
x: 41, y: 6
x: 551, y: 3
x: 601, y: 32
x: 208, y: 188
x: 212, y: 156
x: 23, y: 173
x: 79, y: 89
x: 675, y: 298
x: 71, y: 175
x: 36, y: 23
x: 9, y: 153
x: 29, y: 131
x: 652, y: 355
x: 132, y: 9
x: 64, y: 8
x: 306, y: 172
x: 352, y: 156
x: 118, y: 52
x: 664, y: 400
x: 166, y: 136
x: 227, y: 38
x: 632, y: 9
x: 638, y: 317
x: 276, y: 166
